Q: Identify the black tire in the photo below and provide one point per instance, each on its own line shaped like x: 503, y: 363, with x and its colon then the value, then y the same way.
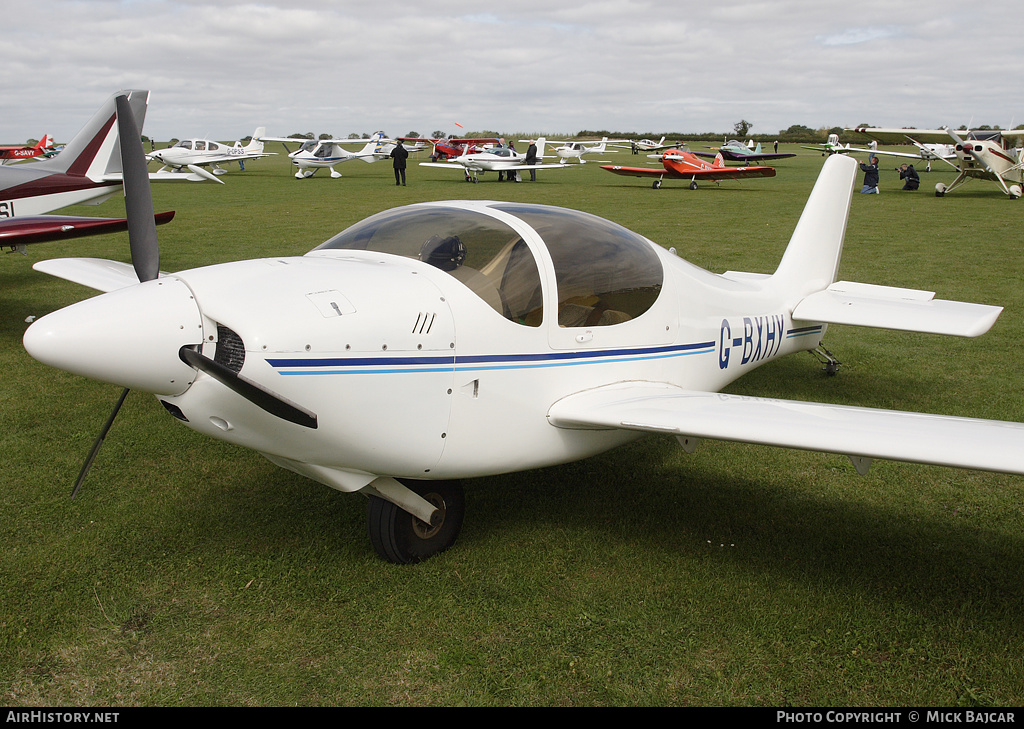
x: 400, y: 538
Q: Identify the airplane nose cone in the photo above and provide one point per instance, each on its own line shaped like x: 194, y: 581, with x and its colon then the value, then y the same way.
x: 129, y: 337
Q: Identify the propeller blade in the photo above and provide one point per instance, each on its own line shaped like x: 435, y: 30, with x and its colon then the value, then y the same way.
x: 251, y: 391
x: 99, y: 441
x: 138, y: 200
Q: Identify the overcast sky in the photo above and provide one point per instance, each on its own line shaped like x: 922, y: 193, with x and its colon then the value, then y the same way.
x: 220, y: 69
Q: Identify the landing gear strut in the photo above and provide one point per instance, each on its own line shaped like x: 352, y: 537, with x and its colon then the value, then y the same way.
x: 827, y: 359
x: 399, y: 537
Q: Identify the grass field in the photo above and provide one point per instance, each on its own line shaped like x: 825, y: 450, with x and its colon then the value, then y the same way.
x: 189, y: 572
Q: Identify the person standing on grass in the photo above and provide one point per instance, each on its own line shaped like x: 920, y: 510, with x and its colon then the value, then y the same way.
x: 531, y: 159
x: 399, y: 154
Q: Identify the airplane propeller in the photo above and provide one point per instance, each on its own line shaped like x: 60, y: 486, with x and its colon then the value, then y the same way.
x: 138, y: 200
x: 145, y: 254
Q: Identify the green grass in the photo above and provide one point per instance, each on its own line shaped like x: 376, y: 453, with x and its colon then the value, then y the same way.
x: 190, y: 572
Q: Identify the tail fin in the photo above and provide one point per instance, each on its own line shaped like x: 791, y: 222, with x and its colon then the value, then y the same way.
x: 541, y: 141
x: 256, y: 144
x: 44, y: 143
x: 719, y: 161
x: 811, y: 260
x: 95, y: 152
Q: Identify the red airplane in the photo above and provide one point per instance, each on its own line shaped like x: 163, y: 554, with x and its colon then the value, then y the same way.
x: 26, y: 152
x: 445, y: 148
x: 681, y: 165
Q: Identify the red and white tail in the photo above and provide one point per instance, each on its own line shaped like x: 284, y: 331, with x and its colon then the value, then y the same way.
x: 94, y: 152
x: 719, y: 162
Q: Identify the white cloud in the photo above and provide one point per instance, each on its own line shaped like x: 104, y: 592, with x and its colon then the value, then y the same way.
x: 627, y: 65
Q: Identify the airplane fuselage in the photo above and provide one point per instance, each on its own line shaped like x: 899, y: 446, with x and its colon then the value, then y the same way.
x: 414, y: 373
x: 33, y: 191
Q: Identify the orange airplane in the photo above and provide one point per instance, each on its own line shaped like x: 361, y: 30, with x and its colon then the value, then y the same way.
x: 678, y: 164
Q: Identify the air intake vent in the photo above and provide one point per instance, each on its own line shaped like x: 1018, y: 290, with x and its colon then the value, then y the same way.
x: 230, y: 349
x: 424, y: 323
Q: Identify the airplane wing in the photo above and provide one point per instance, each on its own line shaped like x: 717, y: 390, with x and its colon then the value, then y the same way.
x: 860, y: 433
x: 741, y: 157
x: 717, y: 173
x: 21, y: 231
x: 225, y: 158
x: 834, y: 150
x: 902, y: 136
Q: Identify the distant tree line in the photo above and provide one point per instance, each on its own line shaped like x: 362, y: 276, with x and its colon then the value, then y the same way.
x: 797, y: 133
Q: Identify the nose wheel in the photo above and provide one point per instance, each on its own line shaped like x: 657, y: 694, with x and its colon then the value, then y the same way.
x: 399, y: 537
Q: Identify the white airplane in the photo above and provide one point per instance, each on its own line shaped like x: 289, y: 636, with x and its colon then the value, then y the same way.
x: 648, y: 145
x: 495, y: 159
x: 832, y: 146
x: 451, y: 340
x: 983, y: 155
x: 926, y: 153
x: 86, y: 172
x: 189, y: 153
x: 575, y: 150
x: 315, y: 154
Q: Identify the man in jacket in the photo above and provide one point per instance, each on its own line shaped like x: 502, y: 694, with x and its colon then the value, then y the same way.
x: 399, y: 155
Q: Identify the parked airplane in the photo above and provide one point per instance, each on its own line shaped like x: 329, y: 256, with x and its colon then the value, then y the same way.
x: 495, y: 159
x: 575, y: 150
x: 190, y: 153
x: 449, y: 147
x: 736, y: 151
x: 647, y: 145
x: 832, y: 146
x: 88, y: 171
x: 25, y: 151
x: 984, y: 155
x: 450, y: 340
x: 678, y: 164
x: 315, y: 154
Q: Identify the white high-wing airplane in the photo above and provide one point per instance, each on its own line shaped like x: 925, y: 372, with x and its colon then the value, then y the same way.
x: 86, y: 172
x: 648, y: 145
x: 449, y: 340
x: 575, y: 150
x: 315, y: 154
x: 983, y: 155
x: 189, y: 153
x: 495, y: 159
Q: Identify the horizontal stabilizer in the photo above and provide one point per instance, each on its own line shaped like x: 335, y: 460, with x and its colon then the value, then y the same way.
x: 862, y: 433
x: 886, y: 307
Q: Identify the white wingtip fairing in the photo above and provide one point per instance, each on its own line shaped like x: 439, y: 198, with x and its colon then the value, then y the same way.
x: 811, y: 260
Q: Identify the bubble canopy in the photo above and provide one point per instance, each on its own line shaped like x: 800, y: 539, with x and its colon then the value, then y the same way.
x: 605, y: 274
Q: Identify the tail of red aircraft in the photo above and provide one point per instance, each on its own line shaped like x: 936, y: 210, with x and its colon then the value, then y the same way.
x: 719, y: 161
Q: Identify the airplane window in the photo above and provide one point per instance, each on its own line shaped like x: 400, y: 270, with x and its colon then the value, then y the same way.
x: 187, y: 144
x: 481, y: 252
x: 200, y: 146
x: 606, y: 274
